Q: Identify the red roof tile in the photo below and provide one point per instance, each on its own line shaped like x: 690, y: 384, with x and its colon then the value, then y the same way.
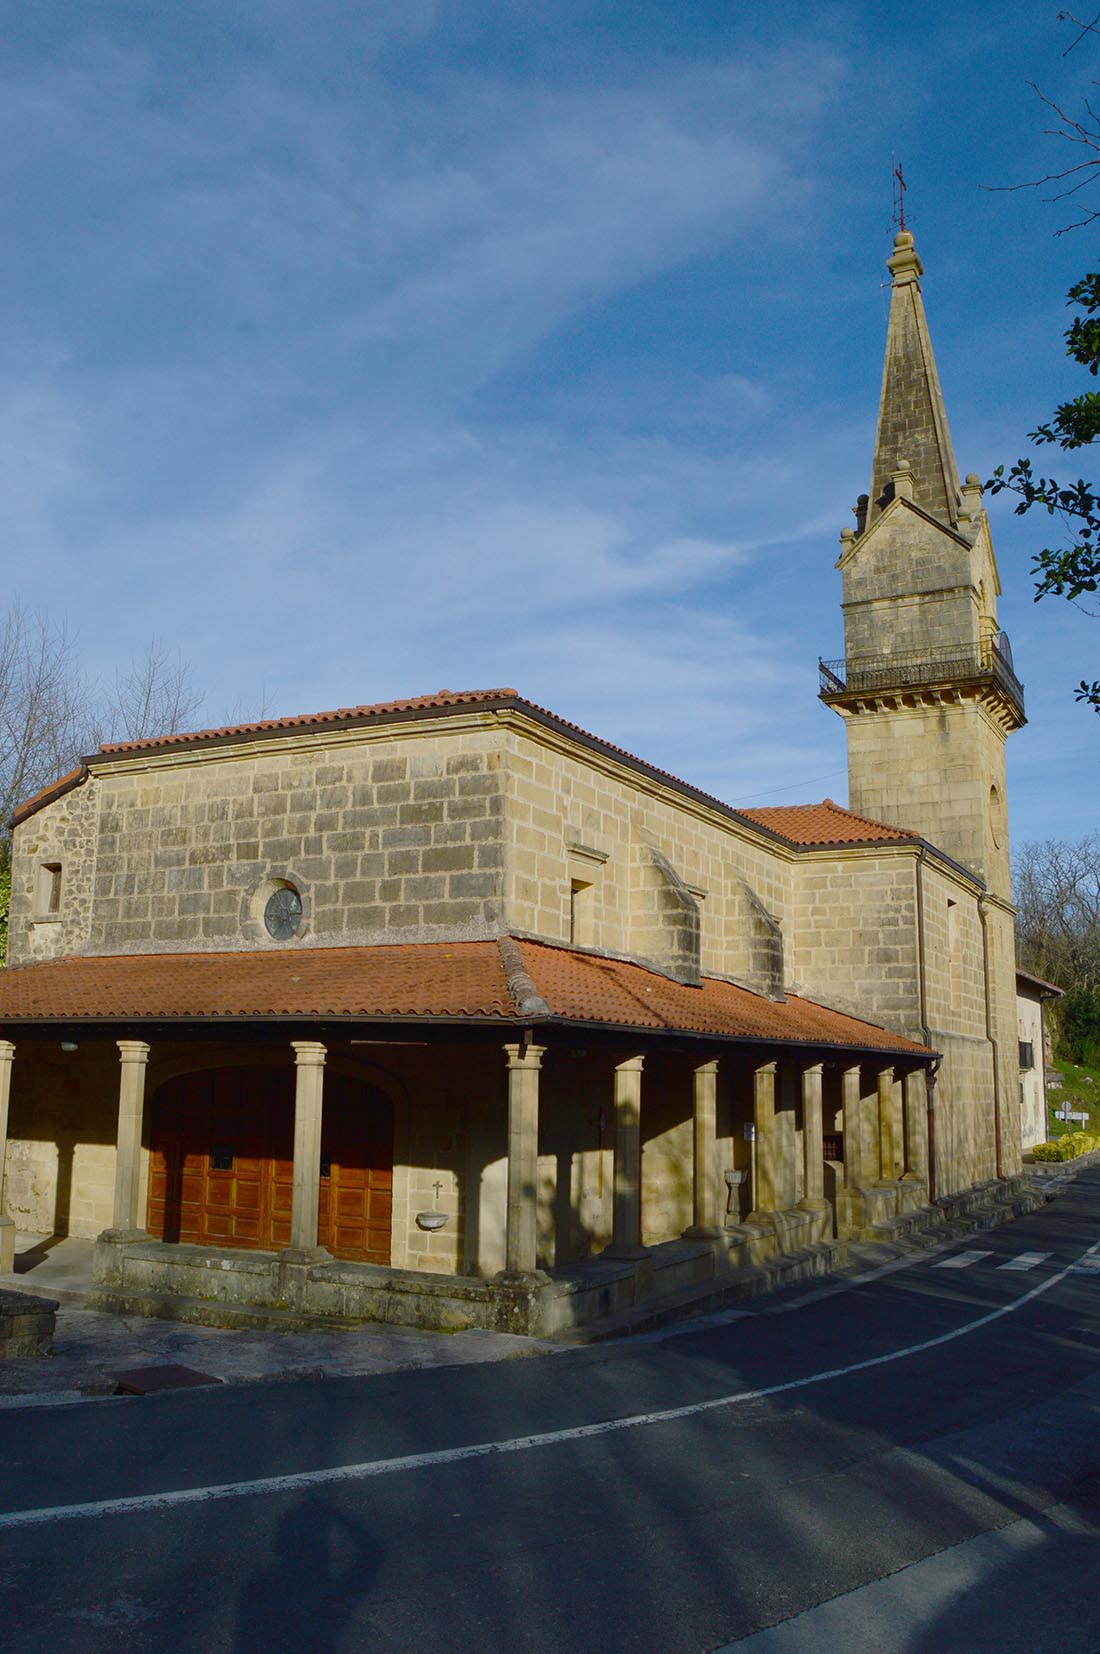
x: 464, y: 981
x: 46, y: 795
x: 585, y: 988
x: 443, y: 698
x: 826, y: 823
x: 802, y: 825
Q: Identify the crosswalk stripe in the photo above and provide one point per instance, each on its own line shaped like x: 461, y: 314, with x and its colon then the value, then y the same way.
x: 962, y: 1260
x: 1025, y: 1260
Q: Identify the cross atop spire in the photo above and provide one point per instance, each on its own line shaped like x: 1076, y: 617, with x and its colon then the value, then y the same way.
x: 912, y: 422
x: 900, y: 187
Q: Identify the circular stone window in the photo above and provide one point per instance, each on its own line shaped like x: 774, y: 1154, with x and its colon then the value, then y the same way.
x: 283, y: 913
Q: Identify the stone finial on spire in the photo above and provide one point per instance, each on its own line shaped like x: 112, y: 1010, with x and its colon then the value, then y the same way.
x: 912, y: 420
x: 905, y: 265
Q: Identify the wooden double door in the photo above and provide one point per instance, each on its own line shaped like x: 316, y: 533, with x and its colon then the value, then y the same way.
x: 221, y: 1165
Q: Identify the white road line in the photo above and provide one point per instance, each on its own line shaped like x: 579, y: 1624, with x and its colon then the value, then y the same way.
x: 961, y: 1260
x: 296, y: 1480
x: 1025, y: 1260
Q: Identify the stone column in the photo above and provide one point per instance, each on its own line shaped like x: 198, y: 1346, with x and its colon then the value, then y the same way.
x: 7, y: 1224
x: 520, y: 1250
x: 916, y: 1126
x: 309, y: 1059
x: 626, y: 1223
x: 133, y: 1057
x: 889, y: 1137
x: 813, y: 1146
x: 857, y: 1168
x: 705, y: 1098
x: 764, y: 1143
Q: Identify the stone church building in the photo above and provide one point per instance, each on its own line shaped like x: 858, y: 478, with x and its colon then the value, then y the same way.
x: 447, y: 1012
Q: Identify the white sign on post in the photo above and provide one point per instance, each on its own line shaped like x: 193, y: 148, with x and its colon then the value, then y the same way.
x: 1067, y: 1113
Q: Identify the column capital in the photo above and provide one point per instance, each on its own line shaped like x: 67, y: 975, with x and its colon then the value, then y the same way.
x: 813, y: 1068
x: 770, y: 1067
x: 133, y: 1050
x: 524, y: 1056
x: 7, y: 1050
x: 850, y: 1067
x: 883, y: 1072
x: 710, y: 1067
x: 632, y: 1065
x: 309, y: 1053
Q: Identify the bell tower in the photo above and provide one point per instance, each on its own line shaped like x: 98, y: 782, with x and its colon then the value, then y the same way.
x: 926, y: 686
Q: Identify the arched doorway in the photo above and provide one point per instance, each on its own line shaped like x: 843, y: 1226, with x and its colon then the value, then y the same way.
x: 221, y: 1164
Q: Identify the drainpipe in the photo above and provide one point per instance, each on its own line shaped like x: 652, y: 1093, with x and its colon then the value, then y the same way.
x: 998, y: 1170
x: 926, y: 1032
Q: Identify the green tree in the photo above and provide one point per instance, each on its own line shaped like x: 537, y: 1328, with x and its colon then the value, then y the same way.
x: 1071, y: 571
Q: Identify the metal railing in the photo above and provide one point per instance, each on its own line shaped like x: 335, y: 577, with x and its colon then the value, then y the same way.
x: 864, y: 674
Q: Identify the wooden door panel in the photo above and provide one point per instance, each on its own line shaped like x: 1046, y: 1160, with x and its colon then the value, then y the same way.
x: 222, y: 1168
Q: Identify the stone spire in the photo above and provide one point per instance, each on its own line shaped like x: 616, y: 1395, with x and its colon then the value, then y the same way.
x: 912, y: 421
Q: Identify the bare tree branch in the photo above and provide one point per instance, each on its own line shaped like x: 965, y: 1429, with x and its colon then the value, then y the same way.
x: 51, y: 714
x: 153, y: 696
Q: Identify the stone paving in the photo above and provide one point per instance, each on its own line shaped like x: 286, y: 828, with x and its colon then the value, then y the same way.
x: 91, y: 1344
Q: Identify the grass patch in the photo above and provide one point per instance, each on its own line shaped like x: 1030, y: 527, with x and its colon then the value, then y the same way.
x: 1080, y: 1089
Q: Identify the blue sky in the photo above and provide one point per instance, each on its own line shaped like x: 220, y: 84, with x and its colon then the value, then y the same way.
x: 357, y: 350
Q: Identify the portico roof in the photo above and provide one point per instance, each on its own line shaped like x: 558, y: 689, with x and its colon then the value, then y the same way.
x: 508, y: 982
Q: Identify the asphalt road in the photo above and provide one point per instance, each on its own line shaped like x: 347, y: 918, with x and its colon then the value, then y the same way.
x: 909, y: 1464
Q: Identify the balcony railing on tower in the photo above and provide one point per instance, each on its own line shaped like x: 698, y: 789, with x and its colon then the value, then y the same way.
x: 987, y: 662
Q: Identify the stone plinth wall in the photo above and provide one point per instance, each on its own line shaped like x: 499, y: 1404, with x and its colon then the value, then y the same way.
x: 26, y: 1324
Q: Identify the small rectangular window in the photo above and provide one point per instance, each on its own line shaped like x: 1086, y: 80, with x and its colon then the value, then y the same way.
x: 1027, y: 1054
x: 582, y: 903
x: 48, y: 891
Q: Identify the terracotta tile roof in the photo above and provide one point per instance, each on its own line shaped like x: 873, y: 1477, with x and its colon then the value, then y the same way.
x: 443, y: 699
x: 433, y: 979
x: 826, y: 823
x: 46, y: 795
x: 585, y: 988
x: 464, y: 981
x: 801, y: 825
x: 1038, y: 983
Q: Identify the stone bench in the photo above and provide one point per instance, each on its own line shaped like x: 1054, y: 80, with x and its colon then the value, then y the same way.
x: 26, y: 1324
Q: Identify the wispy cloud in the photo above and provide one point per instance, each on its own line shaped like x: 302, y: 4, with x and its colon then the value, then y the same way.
x: 269, y: 355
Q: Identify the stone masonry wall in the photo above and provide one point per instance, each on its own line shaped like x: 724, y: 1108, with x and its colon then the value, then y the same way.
x: 64, y: 833
x: 558, y: 800
x: 931, y: 769
x: 854, y: 942
x: 390, y: 838
x: 908, y: 586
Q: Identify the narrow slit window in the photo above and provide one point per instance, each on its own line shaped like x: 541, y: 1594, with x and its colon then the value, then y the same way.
x: 49, y: 888
x: 954, y: 955
x: 582, y: 907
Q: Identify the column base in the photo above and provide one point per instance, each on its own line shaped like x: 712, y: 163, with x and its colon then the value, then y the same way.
x: 124, y: 1237
x: 625, y: 1252
x: 7, y: 1246
x: 762, y: 1219
x: 813, y: 1205
x: 305, y: 1254
x: 521, y: 1277
x: 702, y: 1231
